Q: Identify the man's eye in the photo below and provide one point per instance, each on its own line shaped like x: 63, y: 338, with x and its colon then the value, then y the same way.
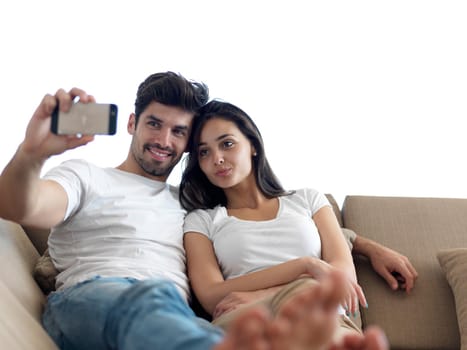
x: 154, y: 124
x: 180, y: 132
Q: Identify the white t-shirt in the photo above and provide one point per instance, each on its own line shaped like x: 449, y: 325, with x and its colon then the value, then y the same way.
x: 244, y: 246
x: 117, y: 224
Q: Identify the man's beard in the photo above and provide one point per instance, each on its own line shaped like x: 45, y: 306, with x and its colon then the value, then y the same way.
x: 153, y: 167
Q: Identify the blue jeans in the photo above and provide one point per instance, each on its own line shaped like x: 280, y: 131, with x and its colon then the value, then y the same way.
x: 124, y: 313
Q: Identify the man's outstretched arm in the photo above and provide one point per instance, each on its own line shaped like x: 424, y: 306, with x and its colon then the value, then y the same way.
x: 24, y: 197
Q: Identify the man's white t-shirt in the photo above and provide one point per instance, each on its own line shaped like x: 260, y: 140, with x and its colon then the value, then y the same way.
x: 117, y: 224
x: 244, y: 246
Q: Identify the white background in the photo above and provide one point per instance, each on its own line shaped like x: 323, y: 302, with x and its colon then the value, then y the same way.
x: 352, y: 97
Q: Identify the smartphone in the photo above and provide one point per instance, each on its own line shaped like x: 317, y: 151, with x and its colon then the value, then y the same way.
x: 85, y: 119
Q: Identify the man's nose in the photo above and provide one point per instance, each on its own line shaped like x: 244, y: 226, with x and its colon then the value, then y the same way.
x: 163, y: 137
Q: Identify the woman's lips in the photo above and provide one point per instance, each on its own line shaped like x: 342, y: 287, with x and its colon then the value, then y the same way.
x: 223, y: 172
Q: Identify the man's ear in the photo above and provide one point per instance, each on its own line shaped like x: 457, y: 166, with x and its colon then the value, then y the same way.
x: 131, y: 126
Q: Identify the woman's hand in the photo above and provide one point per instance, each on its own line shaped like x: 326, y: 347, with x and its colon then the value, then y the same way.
x: 233, y: 300
x: 353, y: 295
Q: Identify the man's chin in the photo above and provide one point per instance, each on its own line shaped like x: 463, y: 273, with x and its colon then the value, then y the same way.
x: 159, y: 171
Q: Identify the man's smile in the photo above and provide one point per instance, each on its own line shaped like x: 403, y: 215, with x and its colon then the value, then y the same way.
x: 157, y: 153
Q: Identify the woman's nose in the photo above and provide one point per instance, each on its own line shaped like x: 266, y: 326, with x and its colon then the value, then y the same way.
x: 218, y: 159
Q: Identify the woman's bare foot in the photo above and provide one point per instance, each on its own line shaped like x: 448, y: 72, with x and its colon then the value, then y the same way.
x: 308, y: 321
x: 372, y: 339
x: 247, y: 332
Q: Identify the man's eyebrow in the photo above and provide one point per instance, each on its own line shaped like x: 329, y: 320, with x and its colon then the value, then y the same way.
x: 181, y: 127
x: 217, y: 138
x: 154, y: 118
x: 160, y: 121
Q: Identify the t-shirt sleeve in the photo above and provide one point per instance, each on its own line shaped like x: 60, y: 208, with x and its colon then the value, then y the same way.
x: 315, y: 200
x: 71, y: 176
x: 198, y: 221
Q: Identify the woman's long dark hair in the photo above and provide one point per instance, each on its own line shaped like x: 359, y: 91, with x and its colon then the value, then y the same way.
x: 196, y: 191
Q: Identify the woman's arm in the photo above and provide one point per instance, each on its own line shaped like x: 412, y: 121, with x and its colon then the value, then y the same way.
x: 233, y: 300
x: 209, y: 285
x: 335, y: 251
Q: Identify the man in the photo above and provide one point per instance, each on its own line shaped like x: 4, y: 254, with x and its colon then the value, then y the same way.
x: 116, y: 233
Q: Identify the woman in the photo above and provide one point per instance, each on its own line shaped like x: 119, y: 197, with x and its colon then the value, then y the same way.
x: 244, y: 233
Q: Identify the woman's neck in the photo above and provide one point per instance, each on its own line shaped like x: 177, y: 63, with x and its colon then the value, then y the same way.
x: 238, y: 198
x: 244, y: 195
x: 252, y: 205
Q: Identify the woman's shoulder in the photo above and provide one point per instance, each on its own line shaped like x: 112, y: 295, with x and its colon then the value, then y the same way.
x: 305, y: 193
x: 202, y: 220
x: 308, y: 198
x: 204, y: 214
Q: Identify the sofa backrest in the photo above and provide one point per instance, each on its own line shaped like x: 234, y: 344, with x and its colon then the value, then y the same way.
x: 335, y: 208
x: 418, y: 228
x: 38, y: 237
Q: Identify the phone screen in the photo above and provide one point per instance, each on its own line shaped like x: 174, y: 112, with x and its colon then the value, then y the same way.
x: 86, y: 119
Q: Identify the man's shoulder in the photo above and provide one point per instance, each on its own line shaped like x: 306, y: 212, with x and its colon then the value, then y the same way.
x: 67, y: 168
x: 75, y: 164
x: 174, y: 189
x: 80, y: 171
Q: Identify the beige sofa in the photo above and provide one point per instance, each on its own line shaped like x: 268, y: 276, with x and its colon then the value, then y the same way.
x: 421, y: 228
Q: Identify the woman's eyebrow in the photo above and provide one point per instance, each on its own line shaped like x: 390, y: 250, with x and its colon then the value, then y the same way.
x: 217, y: 139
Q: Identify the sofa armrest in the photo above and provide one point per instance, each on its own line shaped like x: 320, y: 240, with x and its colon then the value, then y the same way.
x: 18, y: 258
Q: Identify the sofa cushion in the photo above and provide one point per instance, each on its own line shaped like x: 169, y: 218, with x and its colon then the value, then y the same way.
x: 45, y: 273
x: 454, y: 264
x: 417, y: 228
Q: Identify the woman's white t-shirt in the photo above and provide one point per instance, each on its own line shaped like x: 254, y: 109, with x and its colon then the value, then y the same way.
x: 244, y: 246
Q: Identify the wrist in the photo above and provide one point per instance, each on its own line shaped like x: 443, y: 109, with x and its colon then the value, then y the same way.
x: 362, y: 245
x: 308, y: 266
x: 30, y: 156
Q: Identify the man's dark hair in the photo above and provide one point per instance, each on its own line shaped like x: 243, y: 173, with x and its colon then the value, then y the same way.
x: 171, y: 89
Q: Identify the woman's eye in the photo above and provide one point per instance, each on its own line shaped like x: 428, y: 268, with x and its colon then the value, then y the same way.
x: 202, y: 153
x: 228, y: 144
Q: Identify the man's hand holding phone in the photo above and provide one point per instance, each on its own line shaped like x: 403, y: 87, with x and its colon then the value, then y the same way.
x: 85, y: 119
x: 40, y: 143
